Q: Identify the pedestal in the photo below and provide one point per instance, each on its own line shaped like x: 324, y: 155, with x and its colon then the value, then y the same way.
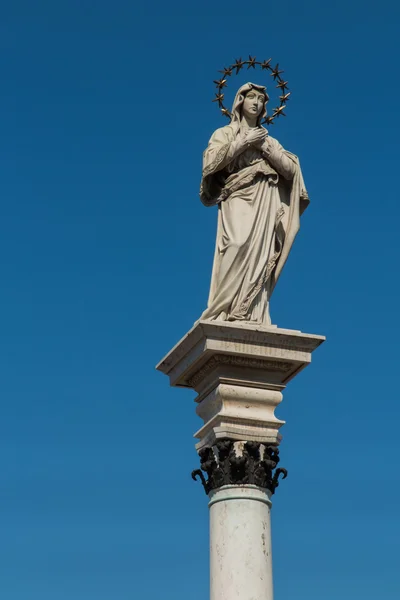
x: 239, y: 371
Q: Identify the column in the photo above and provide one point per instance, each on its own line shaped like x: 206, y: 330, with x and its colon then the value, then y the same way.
x: 239, y: 372
x: 240, y: 543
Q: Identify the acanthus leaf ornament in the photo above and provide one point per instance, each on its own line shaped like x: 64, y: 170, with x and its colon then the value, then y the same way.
x: 252, y: 63
x: 224, y: 465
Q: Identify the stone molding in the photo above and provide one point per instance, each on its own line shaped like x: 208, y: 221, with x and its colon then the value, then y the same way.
x: 239, y: 371
x: 218, y: 345
x: 239, y: 463
x: 239, y: 412
x: 238, y: 361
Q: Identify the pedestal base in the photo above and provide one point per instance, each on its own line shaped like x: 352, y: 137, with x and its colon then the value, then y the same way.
x: 238, y: 371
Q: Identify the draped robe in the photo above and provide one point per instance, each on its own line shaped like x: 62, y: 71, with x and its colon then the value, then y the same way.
x: 260, y: 195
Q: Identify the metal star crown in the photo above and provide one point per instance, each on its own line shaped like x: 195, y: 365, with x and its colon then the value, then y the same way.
x: 251, y: 64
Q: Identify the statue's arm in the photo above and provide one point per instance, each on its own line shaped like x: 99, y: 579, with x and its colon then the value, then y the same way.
x: 221, y: 151
x: 277, y: 156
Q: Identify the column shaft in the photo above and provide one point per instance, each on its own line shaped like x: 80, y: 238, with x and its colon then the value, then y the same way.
x: 240, y: 544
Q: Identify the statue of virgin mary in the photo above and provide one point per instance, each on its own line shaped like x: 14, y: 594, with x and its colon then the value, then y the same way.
x: 259, y: 190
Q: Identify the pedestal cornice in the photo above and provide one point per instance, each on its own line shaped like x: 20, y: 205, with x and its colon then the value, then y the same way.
x: 210, y: 344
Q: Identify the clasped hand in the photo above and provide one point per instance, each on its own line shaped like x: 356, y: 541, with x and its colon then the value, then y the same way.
x: 256, y: 136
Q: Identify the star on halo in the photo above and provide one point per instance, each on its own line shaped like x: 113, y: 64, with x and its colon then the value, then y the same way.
x: 226, y: 72
x: 283, y: 85
x: 276, y: 72
x: 219, y: 98
x: 265, y: 64
x: 279, y: 111
x: 251, y: 62
x: 238, y: 65
x: 220, y: 83
x: 285, y: 97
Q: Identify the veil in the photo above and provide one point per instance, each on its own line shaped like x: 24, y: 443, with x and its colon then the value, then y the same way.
x: 238, y: 102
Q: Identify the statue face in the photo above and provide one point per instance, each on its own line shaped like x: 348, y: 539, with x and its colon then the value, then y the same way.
x: 253, y: 104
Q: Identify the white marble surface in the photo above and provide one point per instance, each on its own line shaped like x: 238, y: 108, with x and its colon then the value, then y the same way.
x: 239, y: 371
x: 259, y: 189
x: 240, y: 544
x: 245, y: 340
x: 239, y: 412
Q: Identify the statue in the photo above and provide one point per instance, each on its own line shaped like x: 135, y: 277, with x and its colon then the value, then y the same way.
x: 259, y: 190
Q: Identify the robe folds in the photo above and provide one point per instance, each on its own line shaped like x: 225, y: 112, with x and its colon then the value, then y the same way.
x: 260, y: 195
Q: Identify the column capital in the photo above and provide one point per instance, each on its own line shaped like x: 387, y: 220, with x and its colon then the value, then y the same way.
x: 239, y: 464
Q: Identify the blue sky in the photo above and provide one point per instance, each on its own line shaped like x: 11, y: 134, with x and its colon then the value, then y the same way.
x: 106, y: 256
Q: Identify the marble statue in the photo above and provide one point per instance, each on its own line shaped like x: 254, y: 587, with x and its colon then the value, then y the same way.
x: 259, y: 190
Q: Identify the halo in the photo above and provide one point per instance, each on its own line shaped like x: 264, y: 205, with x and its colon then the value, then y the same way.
x: 251, y: 64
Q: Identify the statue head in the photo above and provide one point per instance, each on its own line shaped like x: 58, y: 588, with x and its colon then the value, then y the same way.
x: 251, y: 99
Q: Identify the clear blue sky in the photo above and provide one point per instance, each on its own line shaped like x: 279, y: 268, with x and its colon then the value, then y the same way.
x: 106, y: 256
